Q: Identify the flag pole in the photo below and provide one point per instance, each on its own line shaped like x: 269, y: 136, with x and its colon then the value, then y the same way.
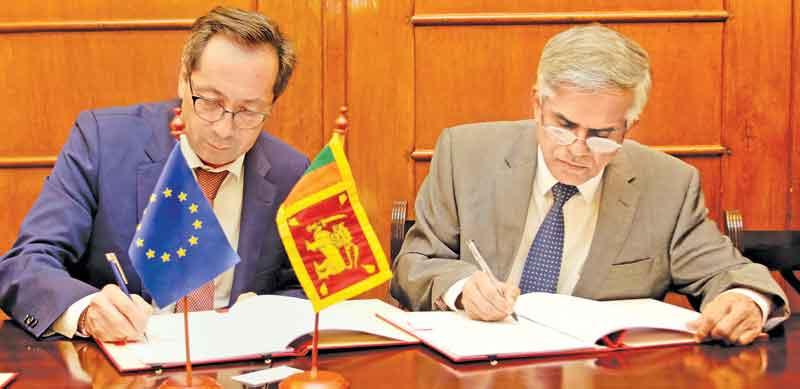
x: 315, y: 347
x: 186, y: 340
x: 200, y: 381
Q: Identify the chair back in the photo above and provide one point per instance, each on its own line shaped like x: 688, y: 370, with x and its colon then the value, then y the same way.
x: 399, y: 227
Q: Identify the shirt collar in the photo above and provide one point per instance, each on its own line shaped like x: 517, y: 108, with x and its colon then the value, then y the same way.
x: 544, y: 180
x: 234, y: 168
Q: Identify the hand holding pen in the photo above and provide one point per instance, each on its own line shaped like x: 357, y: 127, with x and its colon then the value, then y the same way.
x: 484, y: 297
x: 112, y: 313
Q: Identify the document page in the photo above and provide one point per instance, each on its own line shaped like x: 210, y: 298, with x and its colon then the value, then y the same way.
x: 459, y: 337
x: 590, y: 320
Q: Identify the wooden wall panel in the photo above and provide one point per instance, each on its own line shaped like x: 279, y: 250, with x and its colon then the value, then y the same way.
x: 685, y: 105
x: 380, y: 90
x: 59, y: 10
x: 297, y: 118
x: 19, y: 188
x: 755, y: 117
x: 65, y: 73
x: 794, y: 123
x: 794, y: 135
x: 448, y: 6
x: 497, y: 64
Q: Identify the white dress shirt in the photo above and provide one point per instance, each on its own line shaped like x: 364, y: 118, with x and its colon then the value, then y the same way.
x: 580, y: 219
x: 227, y: 208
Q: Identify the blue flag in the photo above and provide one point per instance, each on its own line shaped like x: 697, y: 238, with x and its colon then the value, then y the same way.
x: 179, y: 245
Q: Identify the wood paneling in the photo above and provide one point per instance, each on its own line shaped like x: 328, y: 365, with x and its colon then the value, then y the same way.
x: 756, y: 88
x: 380, y: 91
x: 440, y: 6
x: 65, y: 73
x: 509, y: 18
x: 794, y: 123
x: 297, y: 118
x: 59, y: 10
x: 19, y: 188
x: 334, y: 41
x: 497, y: 66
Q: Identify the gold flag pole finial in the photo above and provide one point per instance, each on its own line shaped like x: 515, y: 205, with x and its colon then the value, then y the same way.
x: 341, y: 123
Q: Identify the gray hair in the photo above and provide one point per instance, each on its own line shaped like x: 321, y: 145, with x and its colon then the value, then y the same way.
x: 595, y: 58
x: 249, y: 29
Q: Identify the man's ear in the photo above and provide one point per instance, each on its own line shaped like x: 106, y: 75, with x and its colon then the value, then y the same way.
x: 534, y: 98
x: 632, y: 127
x: 182, y: 82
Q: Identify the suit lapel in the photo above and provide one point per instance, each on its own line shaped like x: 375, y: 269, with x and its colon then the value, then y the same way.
x: 259, y: 194
x: 617, y: 209
x: 513, y: 186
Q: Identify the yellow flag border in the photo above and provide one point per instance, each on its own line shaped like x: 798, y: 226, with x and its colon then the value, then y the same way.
x: 347, y: 185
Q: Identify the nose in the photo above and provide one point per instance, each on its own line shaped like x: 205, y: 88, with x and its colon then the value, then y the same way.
x: 579, y: 148
x: 223, y: 128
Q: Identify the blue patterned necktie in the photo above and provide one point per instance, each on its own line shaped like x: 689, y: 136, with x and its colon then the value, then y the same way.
x: 543, y: 264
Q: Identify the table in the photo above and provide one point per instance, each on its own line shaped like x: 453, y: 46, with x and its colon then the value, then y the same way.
x: 773, y: 363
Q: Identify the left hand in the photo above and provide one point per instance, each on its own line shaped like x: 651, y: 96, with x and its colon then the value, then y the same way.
x: 731, y: 317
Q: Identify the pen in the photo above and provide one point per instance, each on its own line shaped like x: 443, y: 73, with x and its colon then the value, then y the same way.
x: 119, y: 275
x: 485, y: 267
x: 116, y: 268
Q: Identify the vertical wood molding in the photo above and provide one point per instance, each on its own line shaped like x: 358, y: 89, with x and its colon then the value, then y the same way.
x: 380, y: 94
x: 334, y: 62
x: 793, y: 213
x: 756, y: 88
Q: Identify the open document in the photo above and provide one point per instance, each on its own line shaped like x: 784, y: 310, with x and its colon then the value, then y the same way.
x: 260, y: 327
x: 551, y: 324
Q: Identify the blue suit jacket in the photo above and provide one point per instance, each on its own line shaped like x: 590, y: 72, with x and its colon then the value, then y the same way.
x: 94, y: 197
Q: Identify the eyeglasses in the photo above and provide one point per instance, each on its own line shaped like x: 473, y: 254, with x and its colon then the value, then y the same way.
x: 213, y: 111
x: 564, y: 137
x: 596, y: 144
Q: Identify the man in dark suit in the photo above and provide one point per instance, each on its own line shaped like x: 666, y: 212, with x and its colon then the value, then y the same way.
x: 56, y: 280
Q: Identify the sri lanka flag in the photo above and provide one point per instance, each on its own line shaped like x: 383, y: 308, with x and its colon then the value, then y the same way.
x: 332, y: 247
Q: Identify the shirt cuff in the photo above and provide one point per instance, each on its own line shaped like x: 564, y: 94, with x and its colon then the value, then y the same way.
x: 452, y: 294
x: 764, y: 303
x: 67, y: 323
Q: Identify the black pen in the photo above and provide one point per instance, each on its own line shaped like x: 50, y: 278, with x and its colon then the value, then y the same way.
x: 485, y: 267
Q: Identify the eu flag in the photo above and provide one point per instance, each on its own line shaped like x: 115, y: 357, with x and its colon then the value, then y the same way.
x: 179, y: 244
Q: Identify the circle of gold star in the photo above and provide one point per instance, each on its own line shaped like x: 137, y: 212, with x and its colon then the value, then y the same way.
x: 192, y: 240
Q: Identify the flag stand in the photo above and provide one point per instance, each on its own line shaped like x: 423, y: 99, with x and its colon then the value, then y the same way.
x: 315, y: 378
x: 190, y: 381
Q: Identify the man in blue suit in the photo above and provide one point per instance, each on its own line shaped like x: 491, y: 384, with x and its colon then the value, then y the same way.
x: 56, y: 280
